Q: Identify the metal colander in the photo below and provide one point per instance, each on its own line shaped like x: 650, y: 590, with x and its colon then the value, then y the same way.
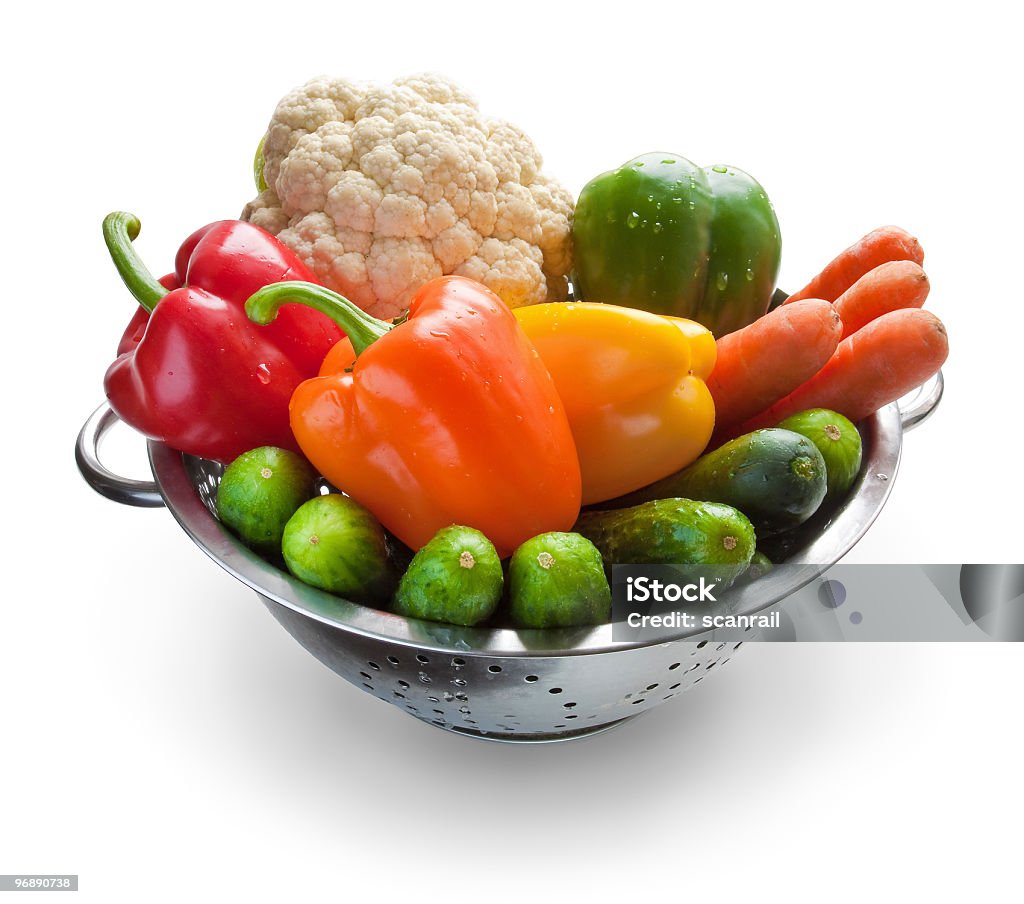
x: 498, y: 684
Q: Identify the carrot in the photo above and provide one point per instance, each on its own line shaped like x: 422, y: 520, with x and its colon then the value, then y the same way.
x: 887, y: 243
x: 875, y: 366
x: 889, y: 287
x: 761, y: 363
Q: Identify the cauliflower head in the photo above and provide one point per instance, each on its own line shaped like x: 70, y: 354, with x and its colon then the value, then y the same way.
x: 381, y: 188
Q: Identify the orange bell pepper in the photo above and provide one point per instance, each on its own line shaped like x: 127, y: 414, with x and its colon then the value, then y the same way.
x: 633, y: 387
x: 446, y: 418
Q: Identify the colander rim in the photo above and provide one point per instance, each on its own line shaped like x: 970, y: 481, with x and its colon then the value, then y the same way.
x: 176, y: 476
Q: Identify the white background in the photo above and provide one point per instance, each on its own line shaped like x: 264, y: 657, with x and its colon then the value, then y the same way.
x: 158, y: 728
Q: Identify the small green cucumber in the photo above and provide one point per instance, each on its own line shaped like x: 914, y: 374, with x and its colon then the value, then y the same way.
x: 333, y: 543
x: 670, y: 532
x: 775, y: 477
x: 760, y: 565
x: 557, y: 580
x: 456, y: 578
x: 838, y: 441
x: 259, y: 491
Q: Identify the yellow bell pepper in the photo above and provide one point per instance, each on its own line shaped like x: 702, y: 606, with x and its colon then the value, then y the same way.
x: 632, y: 384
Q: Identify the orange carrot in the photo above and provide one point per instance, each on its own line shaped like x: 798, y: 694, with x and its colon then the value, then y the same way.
x: 875, y: 366
x: 887, y: 243
x: 761, y: 363
x: 889, y: 287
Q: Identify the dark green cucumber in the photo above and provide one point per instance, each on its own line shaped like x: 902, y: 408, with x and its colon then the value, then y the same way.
x: 670, y: 532
x: 759, y: 566
x: 838, y: 441
x: 456, y: 578
x: 775, y: 477
x: 557, y: 580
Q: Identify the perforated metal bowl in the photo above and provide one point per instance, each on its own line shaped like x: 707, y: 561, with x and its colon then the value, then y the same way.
x: 500, y: 684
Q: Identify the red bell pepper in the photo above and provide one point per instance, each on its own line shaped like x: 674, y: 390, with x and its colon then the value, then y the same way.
x: 137, y: 325
x: 202, y: 377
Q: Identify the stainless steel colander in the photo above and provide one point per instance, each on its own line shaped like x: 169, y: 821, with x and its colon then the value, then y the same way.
x: 497, y: 684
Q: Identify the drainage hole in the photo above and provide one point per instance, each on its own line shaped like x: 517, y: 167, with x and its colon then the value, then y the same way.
x: 531, y: 678
x: 555, y: 690
x: 675, y: 665
x: 374, y: 666
x: 494, y: 669
x: 568, y: 705
x: 421, y: 658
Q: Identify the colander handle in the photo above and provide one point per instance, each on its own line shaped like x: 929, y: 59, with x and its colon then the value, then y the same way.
x: 916, y: 408
x: 143, y: 493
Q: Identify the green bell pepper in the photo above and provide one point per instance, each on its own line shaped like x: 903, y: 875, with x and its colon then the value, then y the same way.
x: 662, y: 234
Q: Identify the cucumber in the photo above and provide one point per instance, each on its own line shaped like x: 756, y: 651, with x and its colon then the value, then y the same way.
x: 838, y: 442
x: 333, y: 543
x: 670, y: 532
x: 760, y: 565
x: 557, y: 580
x: 776, y: 477
x: 456, y: 578
x: 259, y: 491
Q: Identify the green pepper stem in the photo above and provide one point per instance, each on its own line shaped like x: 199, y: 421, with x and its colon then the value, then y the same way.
x: 120, y: 229
x: 361, y: 329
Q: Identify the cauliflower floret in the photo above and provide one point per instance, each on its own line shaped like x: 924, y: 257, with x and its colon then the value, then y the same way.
x: 382, y: 188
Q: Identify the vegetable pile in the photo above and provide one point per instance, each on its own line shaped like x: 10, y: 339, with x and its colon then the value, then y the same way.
x: 412, y: 415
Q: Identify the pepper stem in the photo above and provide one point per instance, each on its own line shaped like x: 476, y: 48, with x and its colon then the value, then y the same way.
x: 120, y: 229
x: 361, y: 329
